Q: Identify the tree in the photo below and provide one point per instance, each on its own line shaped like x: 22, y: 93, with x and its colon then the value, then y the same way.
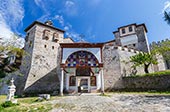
x: 10, y: 59
x: 162, y: 48
x: 144, y: 59
x: 167, y: 17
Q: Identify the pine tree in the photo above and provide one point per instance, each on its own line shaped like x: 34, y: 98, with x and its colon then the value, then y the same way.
x: 167, y: 17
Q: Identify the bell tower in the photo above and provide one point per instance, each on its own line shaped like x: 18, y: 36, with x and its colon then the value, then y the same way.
x: 40, y: 65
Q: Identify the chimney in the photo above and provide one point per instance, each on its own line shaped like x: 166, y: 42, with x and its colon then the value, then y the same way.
x: 49, y: 22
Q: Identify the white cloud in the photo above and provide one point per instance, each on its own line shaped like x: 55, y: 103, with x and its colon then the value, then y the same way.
x: 43, y: 5
x: 70, y: 8
x: 69, y: 3
x: 67, y: 27
x: 12, y: 12
x: 166, y: 6
x: 11, y: 16
x: 60, y: 19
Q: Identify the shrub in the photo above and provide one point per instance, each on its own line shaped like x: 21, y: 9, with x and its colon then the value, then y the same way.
x: 159, y: 73
x: 8, y: 104
x: 2, y: 74
x: 1, y: 108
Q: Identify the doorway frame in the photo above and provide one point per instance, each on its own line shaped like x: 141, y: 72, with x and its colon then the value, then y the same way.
x: 78, y: 78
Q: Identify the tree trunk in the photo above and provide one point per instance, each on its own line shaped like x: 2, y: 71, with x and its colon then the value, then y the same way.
x: 146, y: 66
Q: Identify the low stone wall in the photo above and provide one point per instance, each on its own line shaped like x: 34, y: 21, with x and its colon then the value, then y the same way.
x: 146, y: 83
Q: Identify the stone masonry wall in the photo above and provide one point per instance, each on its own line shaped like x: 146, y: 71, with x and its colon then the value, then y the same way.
x: 159, y: 83
x: 44, y: 73
x: 117, y: 65
x: 142, y: 39
x: 111, y: 67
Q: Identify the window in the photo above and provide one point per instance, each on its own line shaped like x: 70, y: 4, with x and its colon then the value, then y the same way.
x: 134, y: 45
x: 55, y: 37
x: 46, y: 34
x: 52, y: 47
x: 72, y: 81
x: 45, y: 46
x: 30, y: 44
x: 26, y: 38
x: 130, y: 29
x: 123, y: 31
x: 93, y: 80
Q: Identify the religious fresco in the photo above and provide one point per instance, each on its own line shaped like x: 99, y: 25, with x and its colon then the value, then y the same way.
x: 82, y: 58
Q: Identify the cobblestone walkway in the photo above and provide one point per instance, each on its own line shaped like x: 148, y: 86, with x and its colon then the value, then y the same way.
x: 112, y: 103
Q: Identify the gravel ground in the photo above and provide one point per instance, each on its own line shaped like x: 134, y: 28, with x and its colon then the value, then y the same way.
x: 112, y: 103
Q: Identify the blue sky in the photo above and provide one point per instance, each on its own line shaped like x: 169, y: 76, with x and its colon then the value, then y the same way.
x: 95, y: 19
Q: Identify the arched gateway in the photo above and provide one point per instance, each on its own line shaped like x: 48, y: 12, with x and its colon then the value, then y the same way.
x: 82, y: 68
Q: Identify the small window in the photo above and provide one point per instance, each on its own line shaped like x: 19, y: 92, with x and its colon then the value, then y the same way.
x: 130, y: 29
x: 93, y: 80
x: 52, y: 47
x: 26, y: 38
x: 123, y: 31
x: 45, y: 46
x: 134, y: 45
x: 30, y: 44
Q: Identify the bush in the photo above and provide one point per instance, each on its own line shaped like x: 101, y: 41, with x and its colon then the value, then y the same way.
x: 159, y: 73
x: 2, y: 74
x: 8, y: 104
x: 1, y: 108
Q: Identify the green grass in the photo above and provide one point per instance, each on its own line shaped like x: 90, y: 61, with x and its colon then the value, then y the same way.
x: 105, y: 94
x: 160, y: 73
x: 145, y: 93
x: 26, y: 105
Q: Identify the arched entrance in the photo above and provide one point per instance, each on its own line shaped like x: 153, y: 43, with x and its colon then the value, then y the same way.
x: 85, y: 66
x: 81, y: 67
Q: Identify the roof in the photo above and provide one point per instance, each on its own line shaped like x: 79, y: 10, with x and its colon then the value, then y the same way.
x: 81, y: 45
x: 110, y: 41
x: 37, y: 22
x: 131, y: 25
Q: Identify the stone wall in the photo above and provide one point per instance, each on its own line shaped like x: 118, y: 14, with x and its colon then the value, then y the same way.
x: 111, y: 67
x: 117, y: 65
x: 142, y: 39
x: 43, y: 69
x: 159, y: 83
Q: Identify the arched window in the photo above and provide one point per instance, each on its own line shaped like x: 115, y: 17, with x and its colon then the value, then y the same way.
x: 55, y: 37
x: 46, y: 34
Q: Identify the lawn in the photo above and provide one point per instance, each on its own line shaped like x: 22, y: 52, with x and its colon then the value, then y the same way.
x: 159, y: 73
x: 26, y: 105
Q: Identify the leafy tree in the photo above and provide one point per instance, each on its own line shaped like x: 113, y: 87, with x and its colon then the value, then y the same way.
x: 144, y: 59
x: 167, y: 17
x: 10, y: 59
x: 162, y: 48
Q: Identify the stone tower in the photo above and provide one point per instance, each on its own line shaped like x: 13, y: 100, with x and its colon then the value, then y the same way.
x: 40, y: 65
x: 132, y: 36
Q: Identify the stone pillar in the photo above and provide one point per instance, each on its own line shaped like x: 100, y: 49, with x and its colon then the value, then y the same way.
x: 61, y: 81
x: 67, y: 81
x: 98, y: 80
x: 102, y: 81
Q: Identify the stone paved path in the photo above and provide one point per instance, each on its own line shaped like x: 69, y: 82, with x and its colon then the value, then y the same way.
x: 112, y: 103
